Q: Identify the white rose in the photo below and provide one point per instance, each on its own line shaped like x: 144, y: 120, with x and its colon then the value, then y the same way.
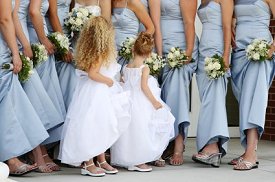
x: 149, y: 60
x: 262, y: 45
x: 256, y: 56
x: 173, y: 49
x: 250, y: 47
x: 170, y: 56
x: 155, y: 67
x: 217, y: 66
x: 173, y: 64
x: 213, y: 74
x: 177, y: 53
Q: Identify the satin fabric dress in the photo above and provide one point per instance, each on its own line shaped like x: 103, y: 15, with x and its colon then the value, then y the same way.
x: 176, y: 82
x: 251, y: 80
x: 212, y: 124
x: 21, y: 128
x: 65, y: 71
x: 47, y: 73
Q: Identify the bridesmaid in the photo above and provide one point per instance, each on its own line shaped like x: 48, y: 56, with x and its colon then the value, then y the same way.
x: 212, y: 132
x: 18, y: 136
x: 178, y: 30
x: 58, y: 11
x: 34, y: 87
x: 251, y: 80
x: 126, y: 18
x: 153, y: 7
x: 96, y: 7
x: 47, y: 71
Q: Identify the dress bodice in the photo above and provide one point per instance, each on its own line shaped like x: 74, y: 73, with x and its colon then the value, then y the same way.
x: 126, y: 24
x: 210, y: 15
x: 170, y: 10
x: 253, y: 19
x: 132, y: 77
x: 211, y: 41
x: 93, y: 9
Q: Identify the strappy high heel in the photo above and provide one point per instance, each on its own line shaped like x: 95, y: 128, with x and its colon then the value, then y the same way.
x: 114, y: 171
x: 208, y: 159
x: 85, y: 171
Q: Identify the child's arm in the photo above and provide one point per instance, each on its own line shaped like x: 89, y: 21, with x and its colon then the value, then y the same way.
x: 96, y: 76
x: 146, y: 90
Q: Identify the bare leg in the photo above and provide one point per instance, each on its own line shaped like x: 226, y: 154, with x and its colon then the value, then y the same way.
x: 177, y: 158
x: 17, y: 167
x: 48, y: 160
x: 103, y: 164
x: 250, y: 154
x: 92, y: 168
x: 39, y: 160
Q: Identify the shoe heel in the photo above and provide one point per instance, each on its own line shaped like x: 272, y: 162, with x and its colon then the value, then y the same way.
x: 83, y: 172
x: 216, y: 160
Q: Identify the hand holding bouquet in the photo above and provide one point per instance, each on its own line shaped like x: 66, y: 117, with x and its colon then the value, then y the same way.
x: 61, y: 43
x: 258, y: 50
x: 26, y: 71
x: 177, y: 57
x: 215, y: 67
x: 155, y: 63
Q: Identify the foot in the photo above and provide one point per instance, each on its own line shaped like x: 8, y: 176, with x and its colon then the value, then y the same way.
x: 91, y: 170
x: 17, y: 168
x: 159, y: 163
x: 140, y: 168
x: 43, y: 169
x: 176, y: 159
x: 213, y: 159
x: 49, y: 162
x: 107, y: 168
x: 245, y: 165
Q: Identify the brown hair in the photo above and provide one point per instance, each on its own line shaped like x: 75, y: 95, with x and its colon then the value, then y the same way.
x: 96, y: 41
x: 144, y: 44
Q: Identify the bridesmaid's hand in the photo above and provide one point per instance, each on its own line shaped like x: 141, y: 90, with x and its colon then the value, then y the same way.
x: 27, y: 51
x: 68, y: 57
x: 271, y: 51
x: 48, y: 45
x: 110, y: 83
x: 17, y: 63
x: 157, y: 105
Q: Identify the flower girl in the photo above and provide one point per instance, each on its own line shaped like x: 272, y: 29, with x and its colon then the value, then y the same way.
x: 99, y: 110
x: 152, y: 124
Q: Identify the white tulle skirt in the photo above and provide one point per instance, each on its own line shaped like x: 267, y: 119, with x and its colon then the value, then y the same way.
x: 148, y: 133
x: 96, y: 118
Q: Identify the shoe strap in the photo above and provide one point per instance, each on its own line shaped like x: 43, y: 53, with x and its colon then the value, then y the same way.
x: 100, y: 163
x: 86, y: 166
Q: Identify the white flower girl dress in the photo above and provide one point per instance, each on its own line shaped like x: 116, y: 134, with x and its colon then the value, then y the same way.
x: 97, y: 116
x: 150, y: 130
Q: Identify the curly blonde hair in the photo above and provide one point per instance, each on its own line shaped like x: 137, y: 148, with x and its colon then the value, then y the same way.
x: 96, y: 41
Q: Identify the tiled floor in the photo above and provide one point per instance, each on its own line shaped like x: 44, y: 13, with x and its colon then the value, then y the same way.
x: 189, y: 172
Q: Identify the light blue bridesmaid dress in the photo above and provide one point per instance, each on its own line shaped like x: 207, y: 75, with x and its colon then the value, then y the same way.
x: 48, y: 75
x: 212, y: 125
x: 34, y: 87
x: 21, y: 128
x: 141, y: 26
x: 126, y: 24
x: 65, y: 71
x: 251, y: 80
x: 176, y: 82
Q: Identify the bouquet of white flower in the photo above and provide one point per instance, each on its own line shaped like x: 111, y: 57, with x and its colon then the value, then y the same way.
x: 40, y: 54
x: 155, y: 63
x: 214, y: 67
x: 177, y: 57
x: 61, y: 43
x: 126, y: 48
x: 76, y: 19
x: 257, y: 50
x: 26, y: 71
